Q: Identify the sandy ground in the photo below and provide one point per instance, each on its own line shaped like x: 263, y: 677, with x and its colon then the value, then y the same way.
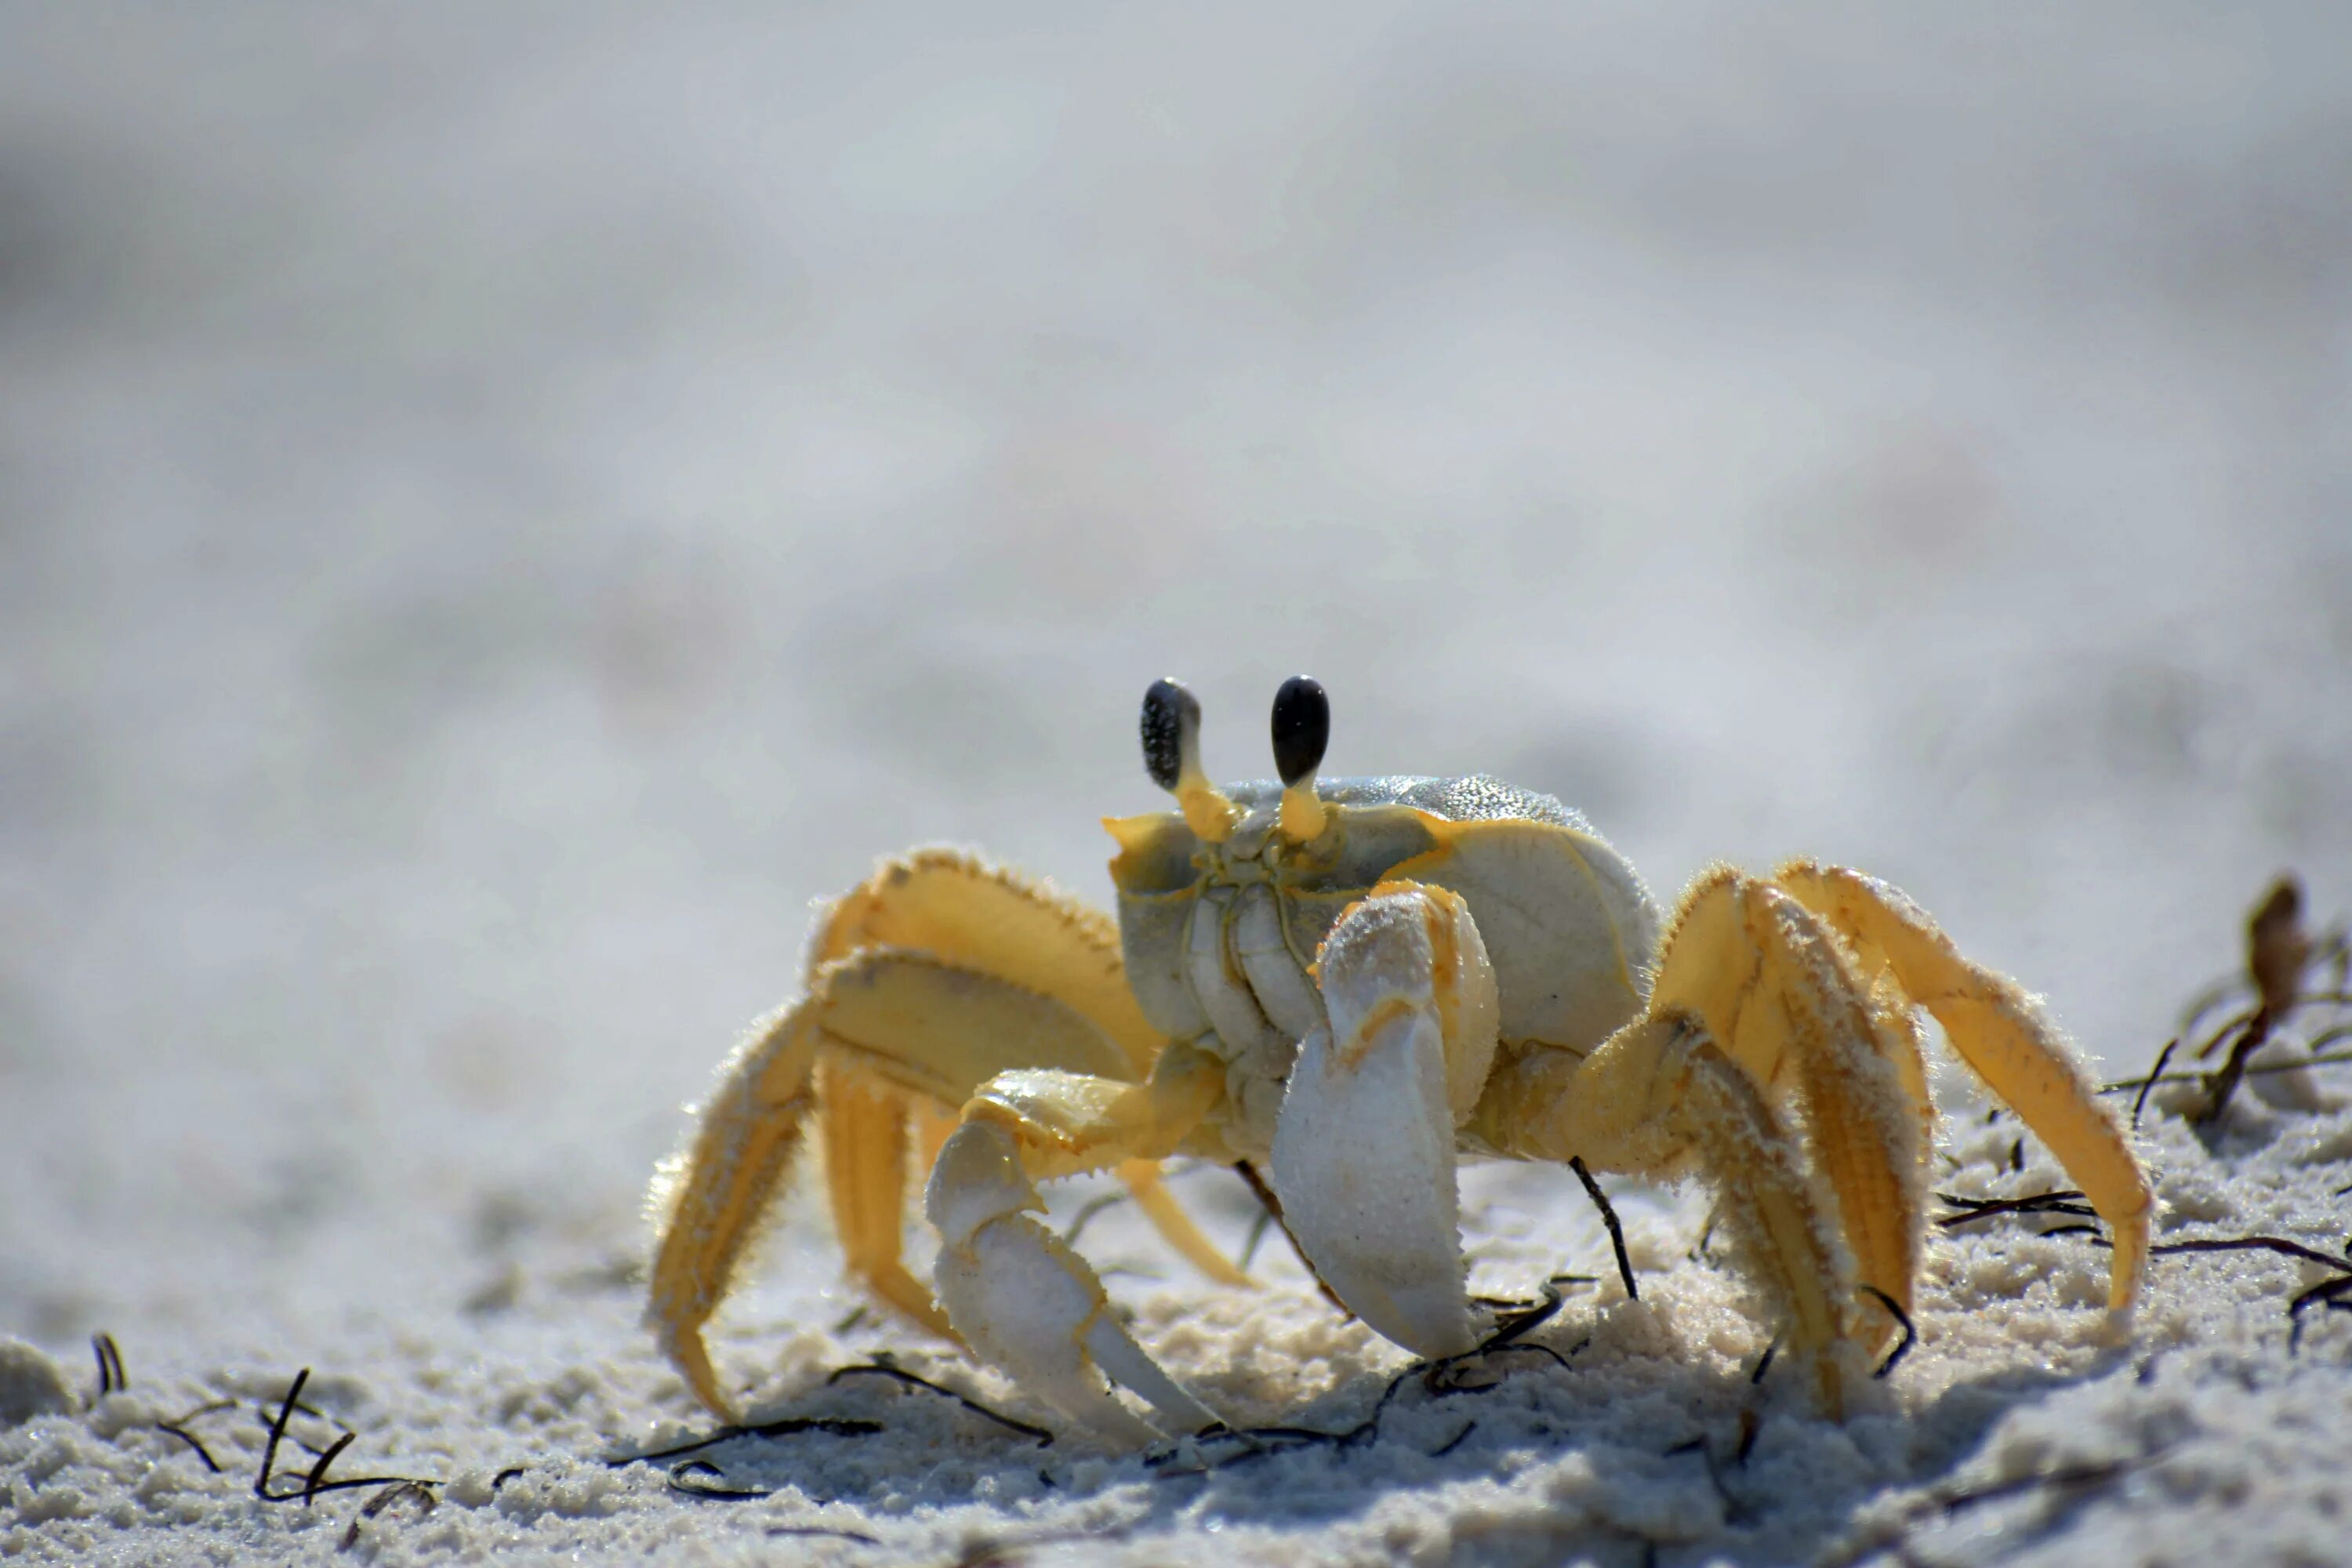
x: 499, y: 511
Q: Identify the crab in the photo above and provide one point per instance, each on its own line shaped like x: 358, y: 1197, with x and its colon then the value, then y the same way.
x: 1353, y: 984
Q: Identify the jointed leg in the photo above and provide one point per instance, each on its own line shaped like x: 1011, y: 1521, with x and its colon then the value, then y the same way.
x: 887, y: 1024
x: 1788, y: 1006
x: 866, y: 1145
x: 953, y: 904
x: 711, y: 1198
x: 1999, y: 1031
x: 1659, y: 1091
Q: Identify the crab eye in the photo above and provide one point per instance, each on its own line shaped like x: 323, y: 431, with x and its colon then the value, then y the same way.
x: 1170, y: 713
x: 1302, y: 728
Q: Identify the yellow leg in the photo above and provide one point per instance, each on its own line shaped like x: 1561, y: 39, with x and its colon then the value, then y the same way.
x: 956, y: 906
x: 1175, y: 1226
x: 1998, y: 1030
x: 865, y: 1176
x: 888, y: 1024
x: 1790, y: 1007
x: 711, y: 1198
x: 1660, y: 1090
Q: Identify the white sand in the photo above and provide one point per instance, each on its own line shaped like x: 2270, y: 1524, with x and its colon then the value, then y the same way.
x: 2206, y: 1430
x: 497, y: 512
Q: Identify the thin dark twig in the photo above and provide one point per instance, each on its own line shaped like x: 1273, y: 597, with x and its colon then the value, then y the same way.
x: 318, y: 1475
x: 1455, y: 1441
x: 838, y: 1426
x: 278, y: 1434
x: 1084, y: 1216
x: 1952, y: 1502
x: 262, y: 1412
x: 177, y: 1427
x: 1706, y: 1451
x: 1974, y: 1209
x: 317, y: 1483
x: 2071, y: 1476
x: 112, y: 1378
x: 823, y: 1531
x: 2339, y: 1059
x: 1526, y: 1322
x: 1258, y: 1227
x: 184, y: 1435
x: 2222, y: 1085
x: 1608, y: 1218
x: 2234, y: 1028
x: 680, y: 1484
x: 2139, y: 1100
x: 2329, y: 1292
x: 1910, y: 1334
x: 2279, y: 1245
x: 385, y: 1499
x: 1273, y: 1205
x: 900, y: 1375
x: 503, y: 1477
x: 1260, y: 1441
x: 1764, y: 1361
x: 2215, y: 996
x: 1751, y: 1427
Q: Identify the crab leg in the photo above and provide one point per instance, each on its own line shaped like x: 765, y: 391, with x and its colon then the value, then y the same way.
x: 2002, y: 1034
x: 1657, y: 1090
x: 1019, y: 1296
x: 1364, y: 1147
x: 952, y: 903
x: 908, y: 1021
x: 1786, y: 1002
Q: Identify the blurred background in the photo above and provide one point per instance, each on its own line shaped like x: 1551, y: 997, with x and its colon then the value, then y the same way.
x: 502, y: 507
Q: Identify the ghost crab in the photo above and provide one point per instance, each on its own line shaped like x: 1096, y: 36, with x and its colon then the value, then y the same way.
x: 1353, y: 983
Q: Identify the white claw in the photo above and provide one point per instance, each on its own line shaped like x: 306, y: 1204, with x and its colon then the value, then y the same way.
x: 1364, y: 1148
x: 1027, y: 1304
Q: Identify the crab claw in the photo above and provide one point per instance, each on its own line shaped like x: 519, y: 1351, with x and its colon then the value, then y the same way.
x: 1364, y: 1149
x: 1029, y: 1304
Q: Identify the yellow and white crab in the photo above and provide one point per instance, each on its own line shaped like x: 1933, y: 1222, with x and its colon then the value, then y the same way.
x: 1353, y: 984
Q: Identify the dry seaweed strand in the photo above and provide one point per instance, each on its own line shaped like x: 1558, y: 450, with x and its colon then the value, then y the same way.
x: 2069, y: 1203
x: 1734, y: 1510
x: 821, y: 1532
x: 1085, y: 1216
x: 384, y: 1500
x: 680, y: 1483
x: 1438, y: 1376
x: 1945, y: 1504
x: 881, y: 1366
x: 2279, y: 955
x: 836, y: 1425
x: 1902, y: 1320
x: 112, y: 1378
x: 178, y: 1427
x: 1608, y: 1218
x: 2276, y: 951
x: 2335, y: 1293
x: 986, y: 1552
x: 1273, y: 1206
x: 315, y: 1484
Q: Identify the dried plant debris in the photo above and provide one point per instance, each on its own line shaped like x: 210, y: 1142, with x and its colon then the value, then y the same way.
x: 2281, y: 961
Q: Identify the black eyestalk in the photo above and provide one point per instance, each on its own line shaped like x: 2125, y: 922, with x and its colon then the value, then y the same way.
x: 1170, y: 729
x: 1302, y: 729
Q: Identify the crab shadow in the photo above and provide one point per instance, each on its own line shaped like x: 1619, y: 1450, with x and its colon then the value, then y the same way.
x: 1541, y: 1451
